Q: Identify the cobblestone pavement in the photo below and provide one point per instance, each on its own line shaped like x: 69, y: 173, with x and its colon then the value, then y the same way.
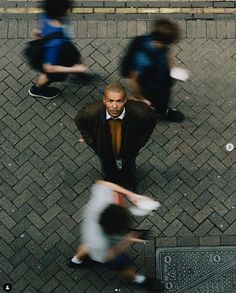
x: 46, y: 171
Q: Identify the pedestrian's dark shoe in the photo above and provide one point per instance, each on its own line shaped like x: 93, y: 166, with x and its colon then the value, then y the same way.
x: 86, y: 263
x: 173, y: 115
x: 46, y: 93
x: 153, y: 285
x: 72, y: 264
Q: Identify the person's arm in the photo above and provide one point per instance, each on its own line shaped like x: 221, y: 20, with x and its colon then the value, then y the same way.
x: 131, y: 196
x: 172, y: 60
x: 36, y: 34
x: 77, y: 68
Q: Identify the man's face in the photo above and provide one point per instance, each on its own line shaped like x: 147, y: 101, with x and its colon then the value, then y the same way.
x: 114, y: 102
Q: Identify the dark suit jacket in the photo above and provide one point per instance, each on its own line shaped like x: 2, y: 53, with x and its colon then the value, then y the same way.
x: 137, y: 127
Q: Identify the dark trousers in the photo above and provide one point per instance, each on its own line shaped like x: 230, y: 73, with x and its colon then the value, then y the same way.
x: 160, y: 99
x: 124, y: 177
x: 158, y: 95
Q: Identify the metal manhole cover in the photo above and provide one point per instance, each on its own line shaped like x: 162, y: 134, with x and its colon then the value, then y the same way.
x: 197, y: 270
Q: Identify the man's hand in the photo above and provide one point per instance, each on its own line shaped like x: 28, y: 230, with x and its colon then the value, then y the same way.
x: 136, y: 198
x: 134, y: 237
x: 36, y: 34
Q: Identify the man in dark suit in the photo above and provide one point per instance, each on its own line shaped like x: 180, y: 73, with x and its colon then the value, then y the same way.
x: 116, y: 129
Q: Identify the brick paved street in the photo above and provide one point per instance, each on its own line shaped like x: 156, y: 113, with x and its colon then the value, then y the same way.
x: 46, y: 170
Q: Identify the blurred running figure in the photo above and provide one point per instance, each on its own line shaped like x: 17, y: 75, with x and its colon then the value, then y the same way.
x: 58, y: 51
x: 147, y: 65
x: 106, y: 234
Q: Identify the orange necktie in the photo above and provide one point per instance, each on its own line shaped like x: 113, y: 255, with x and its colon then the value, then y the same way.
x: 115, y: 128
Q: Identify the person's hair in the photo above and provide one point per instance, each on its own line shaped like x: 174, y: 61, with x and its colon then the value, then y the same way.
x: 115, y: 220
x: 165, y: 31
x: 115, y: 87
x: 56, y: 8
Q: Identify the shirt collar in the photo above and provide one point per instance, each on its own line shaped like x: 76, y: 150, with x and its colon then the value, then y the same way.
x: 121, y: 117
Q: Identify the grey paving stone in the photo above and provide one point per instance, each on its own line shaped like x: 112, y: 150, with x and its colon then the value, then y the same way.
x: 210, y: 241
x: 228, y: 240
x: 187, y: 241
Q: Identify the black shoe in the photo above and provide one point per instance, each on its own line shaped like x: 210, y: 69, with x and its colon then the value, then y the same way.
x: 72, y: 264
x: 173, y: 115
x: 86, y: 263
x: 152, y: 284
x: 46, y: 93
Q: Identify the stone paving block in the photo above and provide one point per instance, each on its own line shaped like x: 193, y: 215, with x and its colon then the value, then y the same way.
x: 19, y: 229
x: 36, y: 220
x: 7, y: 220
x: 203, y: 199
x: 6, y: 249
x: 8, y: 177
x: 24, y: 143
x: 173, y: 214
x: 39, y: 193
x: 50, y: 241
x: 187, y: 241
x: 50, y: 286
x: 19, y: 271
x: 230, y: 29
x: 53, y: 143
x: 35, y: 234
x: 173, y: 228
x: 211, y: 29
x: 173, y: 199
x: 35, y: 249
x: 191, y: 29
x: 6, y: 235
x: 201, y: 29
x: 64, y: 278
x: 221, y: 29
x: 7, y: 205
x: 204, y: 228
x: 25, y: 129
x: 55, y: 169
x: 230, y: 217
x: 9, y: 163
x: 229, y: 231
x: 228, y: 240
x: 40, y: 123
x: 210, y: 241
x: 218, y: 206
x: 23, y: 170
x: 52, y: 198
x: 188, y: 206
x: 51, y: 213
x: 218, y: 221
x: 66, y: 235
x: 37, y: 205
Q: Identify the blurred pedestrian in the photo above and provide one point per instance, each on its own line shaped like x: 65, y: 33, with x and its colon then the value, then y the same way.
x: 116, y: 129
x: 106, y: 234
x: 147, y: 64
x: 60, y: 56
